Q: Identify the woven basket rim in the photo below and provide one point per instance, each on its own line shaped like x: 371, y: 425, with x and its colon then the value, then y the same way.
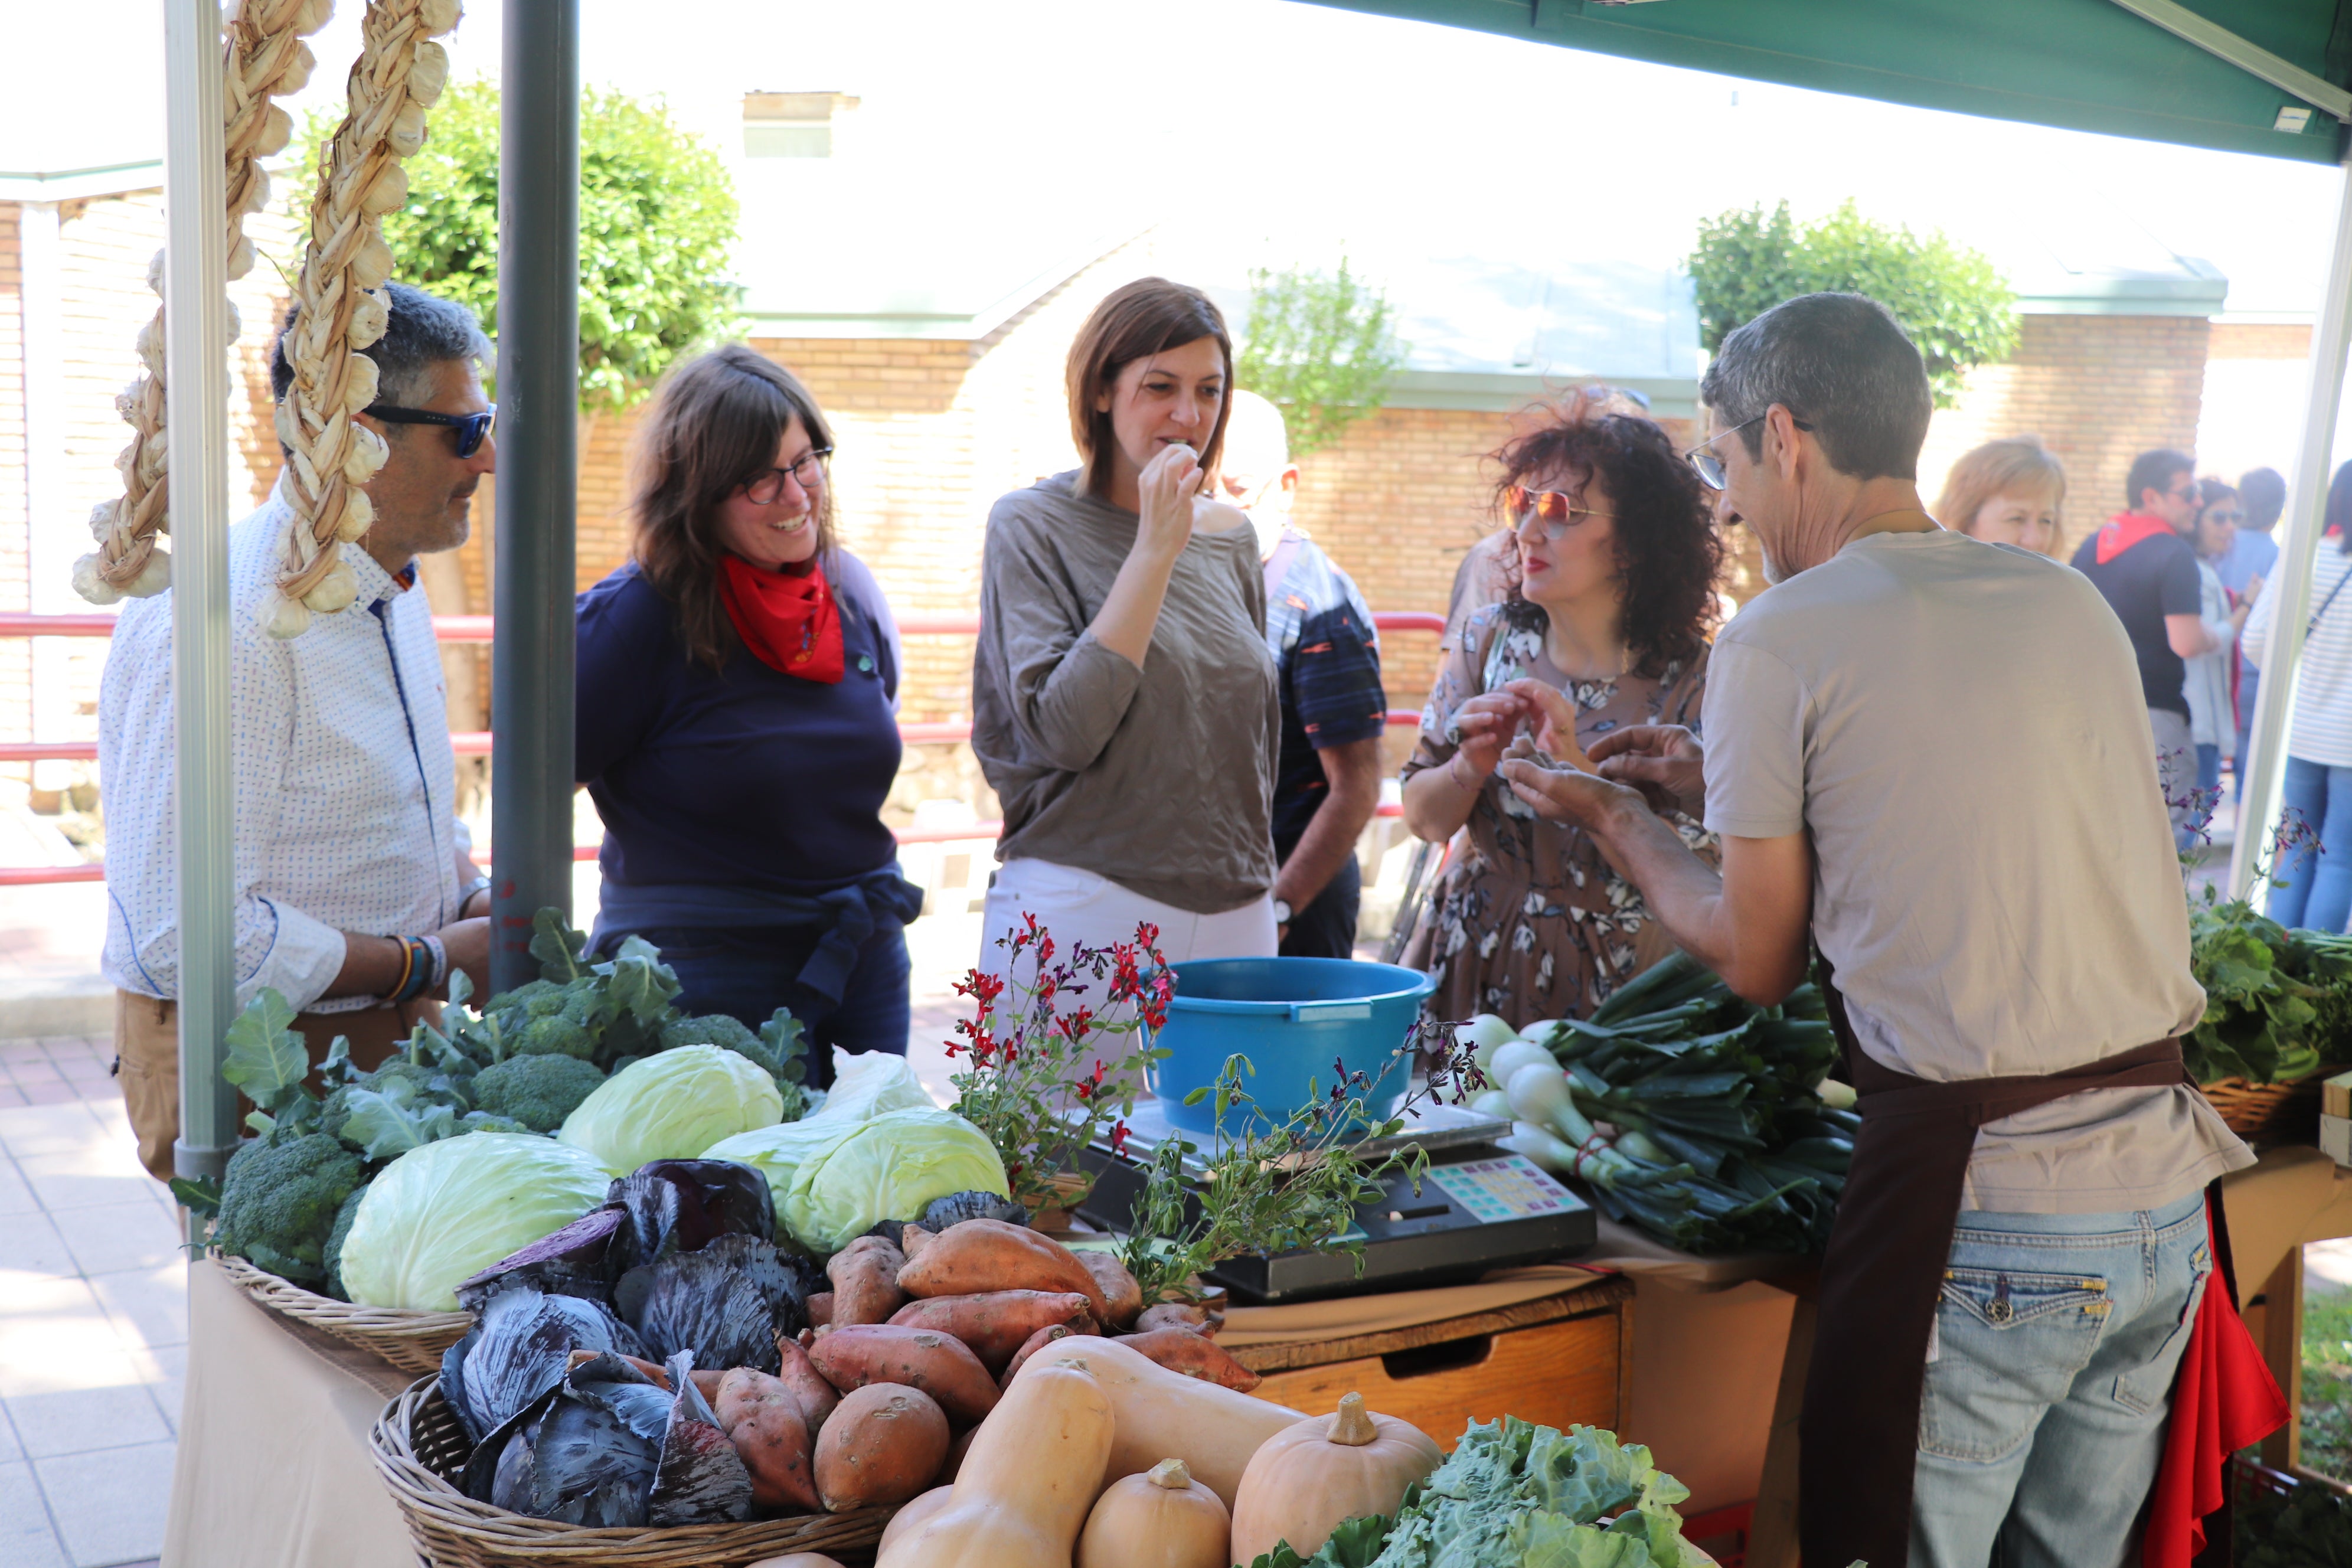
x: 429, y: 1501
x: 297, y: 1301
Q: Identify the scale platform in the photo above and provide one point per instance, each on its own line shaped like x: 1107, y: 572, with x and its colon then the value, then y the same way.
x: 1479, y: 1207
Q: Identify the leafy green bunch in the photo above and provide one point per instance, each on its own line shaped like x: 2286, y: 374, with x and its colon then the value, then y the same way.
x: 2278, y: 1002
x: 1271, y: 1184
x: 1321, y: 346
x: 1951, y: 300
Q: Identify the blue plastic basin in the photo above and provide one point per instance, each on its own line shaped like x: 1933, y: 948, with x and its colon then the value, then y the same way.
x: 1295, y: 1019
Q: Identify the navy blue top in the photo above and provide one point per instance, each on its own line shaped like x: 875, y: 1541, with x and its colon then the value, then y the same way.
x: 747, y: 778
x: 2153, y: 579
x: 1328, y: 662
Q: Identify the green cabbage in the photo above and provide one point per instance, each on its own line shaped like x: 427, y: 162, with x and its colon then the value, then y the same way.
x: 447, y: 1210
x: 834, y: 1179
x: 673, y: 1106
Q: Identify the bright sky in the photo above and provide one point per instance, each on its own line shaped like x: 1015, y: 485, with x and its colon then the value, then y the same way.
x: 1312, y: 123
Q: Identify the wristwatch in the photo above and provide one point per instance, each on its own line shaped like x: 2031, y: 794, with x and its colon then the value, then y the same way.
x: 1281, y: 913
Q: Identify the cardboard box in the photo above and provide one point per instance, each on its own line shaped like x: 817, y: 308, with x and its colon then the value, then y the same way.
x: 2335, y: 1138
x: 2335, y: 1096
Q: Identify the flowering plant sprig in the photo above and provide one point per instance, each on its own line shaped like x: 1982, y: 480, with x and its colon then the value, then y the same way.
x: 1048, y: 1066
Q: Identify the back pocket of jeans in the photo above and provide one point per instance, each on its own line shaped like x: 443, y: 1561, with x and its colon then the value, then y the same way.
x: 2008, y: 1344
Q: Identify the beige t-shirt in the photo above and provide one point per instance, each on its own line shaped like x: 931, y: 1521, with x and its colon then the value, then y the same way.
x: 1960, y: 727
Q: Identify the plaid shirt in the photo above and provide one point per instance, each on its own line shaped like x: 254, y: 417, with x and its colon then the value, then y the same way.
x: 1327, y: 666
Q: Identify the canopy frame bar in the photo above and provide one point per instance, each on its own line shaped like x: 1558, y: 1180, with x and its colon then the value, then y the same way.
x: 2298, y: 545
x: 2251, y: 58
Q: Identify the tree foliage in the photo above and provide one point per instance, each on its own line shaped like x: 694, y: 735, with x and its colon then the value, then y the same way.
x: 1953, y: 302
x: 1320, y: 346
x: 658, y: 214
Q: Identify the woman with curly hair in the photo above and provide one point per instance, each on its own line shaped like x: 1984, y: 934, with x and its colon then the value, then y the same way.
x: 1617, y: 564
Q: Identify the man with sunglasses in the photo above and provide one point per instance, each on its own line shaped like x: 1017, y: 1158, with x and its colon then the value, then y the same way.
x: 2142, y: 563
x: 2021, y: 1241
x: 355, y: 895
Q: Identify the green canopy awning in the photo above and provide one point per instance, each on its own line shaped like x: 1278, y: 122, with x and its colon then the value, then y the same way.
x: 2084, y: 65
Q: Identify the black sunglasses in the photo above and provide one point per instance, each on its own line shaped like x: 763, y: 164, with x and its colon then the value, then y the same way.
x: 472, y: 429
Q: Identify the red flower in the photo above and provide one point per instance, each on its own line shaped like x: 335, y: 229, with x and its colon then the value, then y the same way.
x: 1118, y: 1137
x: 1146, y: 934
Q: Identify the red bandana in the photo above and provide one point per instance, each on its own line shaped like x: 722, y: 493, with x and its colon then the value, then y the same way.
x: 789, y: 621
x: 2126, y: 528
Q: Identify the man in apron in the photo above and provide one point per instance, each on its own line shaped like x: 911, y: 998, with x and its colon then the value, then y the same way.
x: 2022, y: 1244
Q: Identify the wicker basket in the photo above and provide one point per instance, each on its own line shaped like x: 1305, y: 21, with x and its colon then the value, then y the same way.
x: 2270, y: 1114
x: 410, y: 1340
x: 419, y: 1447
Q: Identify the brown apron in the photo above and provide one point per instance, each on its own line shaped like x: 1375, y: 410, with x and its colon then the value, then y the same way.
x: 1883, y: 1274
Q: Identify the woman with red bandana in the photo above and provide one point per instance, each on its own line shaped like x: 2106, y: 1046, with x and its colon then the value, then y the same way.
x: 737, y: 728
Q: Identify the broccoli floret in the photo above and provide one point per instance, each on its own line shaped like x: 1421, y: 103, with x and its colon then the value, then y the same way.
x: 538, y: 1091
x: 279, y: 1204
x: 568, y: 1029
x: 333, y: 1256
x: 716, y: 1029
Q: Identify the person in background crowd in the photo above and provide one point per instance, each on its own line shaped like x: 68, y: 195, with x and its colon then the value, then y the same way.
x: 1327, y: 658
x: 1618, y: 562
x: 355, y: 896
x: 737, y: 728
x: 2262, y: 493
x: 2006, y: 492
x: 2017, y: 1264
x: 2318, y: 894
x: 2205, y: 680
x: 2142, y: 564
x: 1125, y: 707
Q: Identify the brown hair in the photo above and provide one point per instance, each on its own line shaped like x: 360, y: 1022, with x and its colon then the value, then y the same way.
x: 1669, y: 554
x: 2018, y: 466
x: 714, y: 426
x: 1146, y: 317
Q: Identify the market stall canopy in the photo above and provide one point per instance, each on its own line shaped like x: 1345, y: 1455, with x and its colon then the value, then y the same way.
x: 2084, y: 65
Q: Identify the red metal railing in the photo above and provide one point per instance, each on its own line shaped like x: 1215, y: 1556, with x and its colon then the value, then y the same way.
x: 477, y: 742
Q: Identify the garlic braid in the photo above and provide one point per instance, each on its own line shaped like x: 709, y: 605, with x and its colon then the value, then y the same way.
x: 399, y: 74
x: 263, y: 55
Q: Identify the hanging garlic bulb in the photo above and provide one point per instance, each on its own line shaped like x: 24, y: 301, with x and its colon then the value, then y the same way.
x: 154, y: 577
x: 102, y: 516
x: 335, y: 591
x: 429, y: 75
x: 360, y: 391
x: 369, y: 317
x: 91, y: 583
x: 438, y: 17
x: 359, y: 516
x: 283, y: 618
x: 368, y: 453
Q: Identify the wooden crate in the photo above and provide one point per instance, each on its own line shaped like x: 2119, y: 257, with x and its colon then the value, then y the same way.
x: 1555, y: 1361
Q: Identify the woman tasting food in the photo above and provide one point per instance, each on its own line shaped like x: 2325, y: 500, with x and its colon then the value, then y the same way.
x: 1124, y: 706
x: 1618, y: 561
x: 737, y: 681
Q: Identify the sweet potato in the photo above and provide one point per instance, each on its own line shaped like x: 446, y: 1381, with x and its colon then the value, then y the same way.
x: 1031, y: 1346
x: 820, y: 1308
x: 1194, y: 1355
x: 1122, y: 1298
x: 939, y: 1364
x: 923, y: 1506
x: 865, y: 1276
x: 911, y: 1241
x: 980, y: 1255
x: 762, y: 1418
x: 817, y: 1396
x: 660, y: 1374
x: 957, y: 1449
x: 996, y: 1324
x: 1189, y: 1316
x: 883, y: 1446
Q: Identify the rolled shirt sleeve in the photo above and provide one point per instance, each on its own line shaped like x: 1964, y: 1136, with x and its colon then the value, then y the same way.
x: 1754, y: 715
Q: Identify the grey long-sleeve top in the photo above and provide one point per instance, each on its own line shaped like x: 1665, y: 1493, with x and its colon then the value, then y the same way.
x: 1160, y: 778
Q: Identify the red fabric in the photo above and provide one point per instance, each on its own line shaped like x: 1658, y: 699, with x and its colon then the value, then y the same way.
x: 2223, y: 1398
x: 2126, y: 528
x: 788, y: 620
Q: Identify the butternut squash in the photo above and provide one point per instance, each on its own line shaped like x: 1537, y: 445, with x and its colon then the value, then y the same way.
x: 1165, y: 1414
x: 1025, y: 1488
x: 1160, y: 1519
x: 1309, y: 1479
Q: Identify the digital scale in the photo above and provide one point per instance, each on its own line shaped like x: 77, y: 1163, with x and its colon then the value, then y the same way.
x: 1480, y: 1207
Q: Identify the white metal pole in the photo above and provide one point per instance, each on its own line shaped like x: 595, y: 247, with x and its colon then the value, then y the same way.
x: 2298, y: 543
x: 196, y: 386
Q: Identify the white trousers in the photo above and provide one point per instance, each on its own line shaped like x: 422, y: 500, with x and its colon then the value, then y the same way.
x: 1076, y: 906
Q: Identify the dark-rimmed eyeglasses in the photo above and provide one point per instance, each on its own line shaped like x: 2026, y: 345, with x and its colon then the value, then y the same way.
x: 1557, y: 511
x: 1709, y: 466
x: 472, y: 429
x: 807, y: 471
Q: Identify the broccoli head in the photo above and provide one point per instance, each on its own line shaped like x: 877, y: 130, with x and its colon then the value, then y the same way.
x: 539, y: 1092
x: 567, y: 1028
x: 279, y: 1201
x: 715, y: 1029
x: 333, y: 1256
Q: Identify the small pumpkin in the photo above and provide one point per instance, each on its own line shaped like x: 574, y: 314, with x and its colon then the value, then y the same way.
x: 1307, y: 1479
x: 1161, y: 1519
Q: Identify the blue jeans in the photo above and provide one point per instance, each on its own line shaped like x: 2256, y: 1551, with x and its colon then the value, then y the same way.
x: 2317, y: 891
x: 748, y: 977
x: 2043, y: 1417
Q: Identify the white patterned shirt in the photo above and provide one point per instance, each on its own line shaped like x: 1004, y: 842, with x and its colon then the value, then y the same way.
x: 345, y: 785
x: 2319, y: 729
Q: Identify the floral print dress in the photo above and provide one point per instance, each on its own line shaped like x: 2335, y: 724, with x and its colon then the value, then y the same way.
x: 1530, y: 921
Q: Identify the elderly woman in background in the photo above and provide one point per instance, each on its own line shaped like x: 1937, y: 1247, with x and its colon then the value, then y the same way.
x: 2006, y: 492
x: 1124, y: 705
x: 2205, y: 678
x: 737, y: 723
x: 1618, y: 559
